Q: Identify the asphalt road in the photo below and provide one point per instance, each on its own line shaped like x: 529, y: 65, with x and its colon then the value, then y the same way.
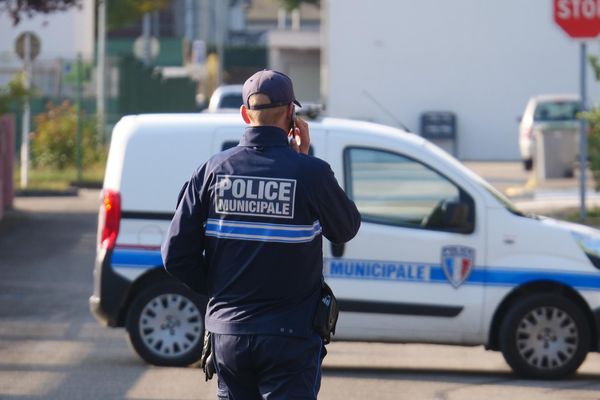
x: 52, y: 348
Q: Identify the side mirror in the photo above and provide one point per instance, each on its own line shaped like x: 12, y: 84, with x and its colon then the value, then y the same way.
x: 456, y: 217
x: 519, y: 118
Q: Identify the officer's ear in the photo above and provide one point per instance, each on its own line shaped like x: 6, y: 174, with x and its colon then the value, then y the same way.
x: 244, y: 113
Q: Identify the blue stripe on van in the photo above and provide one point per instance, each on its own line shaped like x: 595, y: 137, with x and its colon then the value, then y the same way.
x: 136, y: 258
x: 433, y: 273
x: 497, y: 276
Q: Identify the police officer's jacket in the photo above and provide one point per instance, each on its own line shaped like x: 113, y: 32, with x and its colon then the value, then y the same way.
x: 258, y: 212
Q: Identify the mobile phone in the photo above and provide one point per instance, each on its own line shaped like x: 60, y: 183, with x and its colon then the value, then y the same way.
x: 293, y: 122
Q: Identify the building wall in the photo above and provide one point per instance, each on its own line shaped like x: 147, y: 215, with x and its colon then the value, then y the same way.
x: 63, y: 34
x: 479, y: 59
x: 297, y: 54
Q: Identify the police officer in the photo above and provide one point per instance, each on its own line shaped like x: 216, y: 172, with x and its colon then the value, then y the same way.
x: 251, y: 222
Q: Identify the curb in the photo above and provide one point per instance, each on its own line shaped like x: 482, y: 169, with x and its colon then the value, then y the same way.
x: 70, y: 192
x: 521, y: 191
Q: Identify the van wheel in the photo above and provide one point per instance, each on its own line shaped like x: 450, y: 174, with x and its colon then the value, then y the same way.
x: 544, y: 336
x: 166, y: 325
x: 528, y: 164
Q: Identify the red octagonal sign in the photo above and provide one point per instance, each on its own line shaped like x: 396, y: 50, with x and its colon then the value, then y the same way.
x: 579, y: 18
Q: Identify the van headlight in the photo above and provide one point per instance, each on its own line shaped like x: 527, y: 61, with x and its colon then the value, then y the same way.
x: 590, y: 246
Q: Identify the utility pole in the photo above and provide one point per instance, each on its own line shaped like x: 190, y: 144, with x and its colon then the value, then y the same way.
x: 146, y: 35
x: 189, y: 31
x: 583, y: 145
x: 205, y: 25
x: 221, y: 30
x: 189, y: 21
x: 100, y: 70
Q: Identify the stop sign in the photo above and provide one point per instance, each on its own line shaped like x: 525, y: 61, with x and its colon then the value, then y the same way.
x: 580, y: 19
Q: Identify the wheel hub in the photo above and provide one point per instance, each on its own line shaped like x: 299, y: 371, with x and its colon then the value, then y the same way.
x: 547, y: 338
x: 170, y: 325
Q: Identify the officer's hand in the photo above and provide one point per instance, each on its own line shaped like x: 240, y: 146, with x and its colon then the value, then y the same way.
x: 301, y: 140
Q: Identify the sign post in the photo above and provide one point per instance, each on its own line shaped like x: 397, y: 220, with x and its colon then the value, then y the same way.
x: 580, y: 19
x: 583, y: 142
x: 27, y: 47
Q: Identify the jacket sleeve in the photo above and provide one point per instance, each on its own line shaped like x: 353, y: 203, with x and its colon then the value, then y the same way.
x: 183, y: 249
x: 339, y: 217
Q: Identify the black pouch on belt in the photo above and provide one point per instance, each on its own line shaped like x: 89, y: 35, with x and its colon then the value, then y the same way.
x: 207, y: 362
x: 326, y: 315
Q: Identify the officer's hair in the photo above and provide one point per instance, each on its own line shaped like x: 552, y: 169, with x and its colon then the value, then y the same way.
x: 266, y: 116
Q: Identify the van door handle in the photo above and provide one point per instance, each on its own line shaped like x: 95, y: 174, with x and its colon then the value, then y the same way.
x: 337, y: 250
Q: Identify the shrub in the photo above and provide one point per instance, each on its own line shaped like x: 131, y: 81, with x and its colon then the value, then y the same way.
x: 55, y: 139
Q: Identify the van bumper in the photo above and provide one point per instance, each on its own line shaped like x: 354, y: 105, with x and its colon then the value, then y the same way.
x: 107, y: 303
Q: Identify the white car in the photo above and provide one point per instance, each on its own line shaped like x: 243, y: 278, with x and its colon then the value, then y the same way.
x: 226, y: 98
x: 441, y: 256
x: 546, y: 112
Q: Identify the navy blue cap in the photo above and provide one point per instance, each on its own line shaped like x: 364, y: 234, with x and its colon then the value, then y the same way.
x: 275, y: 85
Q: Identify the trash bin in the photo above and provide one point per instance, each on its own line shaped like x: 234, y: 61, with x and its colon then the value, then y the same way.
x: 439, y: 127
x: 556, y: 149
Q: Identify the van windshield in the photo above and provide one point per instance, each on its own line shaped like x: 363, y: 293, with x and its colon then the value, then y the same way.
x: 482, y: 182
x: 505, y: 201
x: 557, y: 111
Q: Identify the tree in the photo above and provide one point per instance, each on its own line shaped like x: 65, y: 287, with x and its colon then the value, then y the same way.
x: 16, y: 9
x: 124, y: 12
x: 593, y: 118
x: 13, y: 92
x: 290, y: 5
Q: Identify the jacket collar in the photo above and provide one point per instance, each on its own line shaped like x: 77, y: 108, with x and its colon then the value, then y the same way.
x: 264, y: 136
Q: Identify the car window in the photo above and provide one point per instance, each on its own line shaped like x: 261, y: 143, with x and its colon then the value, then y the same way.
x: 389, y: 188
x: 557, y: 111
x: 231, y: 101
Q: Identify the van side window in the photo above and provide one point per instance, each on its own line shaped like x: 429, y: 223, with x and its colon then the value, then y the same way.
x: 391, y: 189
x: 231, y: 143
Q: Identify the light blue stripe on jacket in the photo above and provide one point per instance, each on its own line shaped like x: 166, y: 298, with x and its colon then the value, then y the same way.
x: 264, y: 232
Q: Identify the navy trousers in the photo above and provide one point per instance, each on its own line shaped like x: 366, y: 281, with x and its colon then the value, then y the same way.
x: 252, y: 367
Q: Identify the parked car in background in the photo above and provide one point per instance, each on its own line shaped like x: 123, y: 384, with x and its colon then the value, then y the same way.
x: 547, y: 112
x: 226, y: 98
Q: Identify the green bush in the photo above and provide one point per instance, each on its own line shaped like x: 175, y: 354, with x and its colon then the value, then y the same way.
x: 13, y: 92
x: 54, y: 141
x: 593, y: 119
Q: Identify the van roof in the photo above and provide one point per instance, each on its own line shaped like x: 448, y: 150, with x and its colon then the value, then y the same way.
x: 161, y: 121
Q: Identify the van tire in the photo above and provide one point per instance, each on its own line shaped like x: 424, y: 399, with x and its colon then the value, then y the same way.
x: 528, y: 164
x: 165, y: 324
x: 544, y: 336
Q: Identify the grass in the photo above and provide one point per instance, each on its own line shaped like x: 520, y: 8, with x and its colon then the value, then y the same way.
x: 572, y: 215
x: 44, y: 178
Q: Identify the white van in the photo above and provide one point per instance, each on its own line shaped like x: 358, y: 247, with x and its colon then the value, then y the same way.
x: 441, y: 256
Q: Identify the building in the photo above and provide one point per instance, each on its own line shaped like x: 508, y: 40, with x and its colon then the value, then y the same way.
x: 389, y: 61
x: 63, y: 36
